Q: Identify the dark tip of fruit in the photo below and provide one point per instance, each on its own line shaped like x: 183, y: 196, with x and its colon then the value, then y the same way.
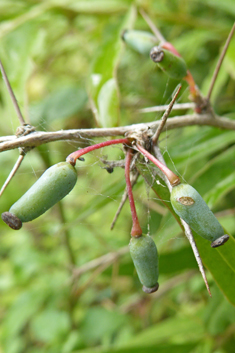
x: 220, y: 241
x: 156, y: 54
x: 11, y: 220
x: 150, y: 290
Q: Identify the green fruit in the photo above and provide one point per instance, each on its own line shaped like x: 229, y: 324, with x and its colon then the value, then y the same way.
x: 190, y: 206
x: 174, y: 66
x: 54, y: 184
x: 140, y: 41
x: 145, y: 257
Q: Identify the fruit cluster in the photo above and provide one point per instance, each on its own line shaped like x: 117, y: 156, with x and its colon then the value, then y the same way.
x: 60, y: 179
x: 57, y: 181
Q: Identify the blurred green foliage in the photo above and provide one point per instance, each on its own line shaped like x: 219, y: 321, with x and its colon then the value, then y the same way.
x: 62, y: 57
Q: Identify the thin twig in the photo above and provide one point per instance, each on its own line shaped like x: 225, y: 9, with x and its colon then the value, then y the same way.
x: 134, y: 178
x: 21, y: 131
x: 105, y: 259
x: 12, y: 173
x: 13, y: 98
x: 191, y: 240
x: 77, y: 292
x: 162, y: 108
x: 165, y: 116
x: 165, y: 288
x: 219, y: 63
x: 136, y: 230
x: 40, y: 137
x: 113, y: 164
x: 66, y: 235
x: 187, y: 229
x: 152, y: 26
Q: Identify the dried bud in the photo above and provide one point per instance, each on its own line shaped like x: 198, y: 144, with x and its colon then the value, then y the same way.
x: 11, y: 220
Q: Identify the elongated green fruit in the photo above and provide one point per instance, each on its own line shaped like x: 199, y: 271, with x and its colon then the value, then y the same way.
x: 140, y: 41
x: 174, y: 66
x: 190, y: 206
x: 54, y: 184
x: 145, y: 257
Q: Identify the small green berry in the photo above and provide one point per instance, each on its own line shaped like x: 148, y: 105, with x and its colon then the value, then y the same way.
x: 174, y: 66
x: 140, y: 41
x: 190, y: 206
x: 54, y: 184
x: 145, y: 257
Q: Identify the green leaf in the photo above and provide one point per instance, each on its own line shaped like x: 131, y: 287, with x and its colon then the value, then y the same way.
x: 222, y: 315
x: 219, y: 167
x: 200, y: 38
x: 226, y: 6
x: 24, y: 307
x: 97, y: 6
x: 214, y: 171
x: 99, y: 323
x: 220, y: 81
x: 108, y: 102
x: 177, y: 261
x: 60, y: 104
x: 159, y: 348
x: 16, y: 51
x: 184, y: 328
x: 49, y: 325
x: 220, y: 190
x: 7, y: 27
x: 99, y: 202
x: 221, y: 263
x: 102, y: 86
x: 229, y: 63
x: 208, y: 145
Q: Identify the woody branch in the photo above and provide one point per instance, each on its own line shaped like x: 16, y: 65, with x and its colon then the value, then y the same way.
x: 40, y: 137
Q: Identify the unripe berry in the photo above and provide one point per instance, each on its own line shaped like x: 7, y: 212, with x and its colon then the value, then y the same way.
x: 190, y: 206
x: 174, y: 66
x: 145, y: 257
x: 54, y: 184
x: 140, y: 41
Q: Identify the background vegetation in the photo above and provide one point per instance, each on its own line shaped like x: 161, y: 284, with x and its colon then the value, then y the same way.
x: 57, y: 293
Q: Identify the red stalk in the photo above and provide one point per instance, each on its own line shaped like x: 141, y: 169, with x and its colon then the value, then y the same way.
x: 172, y: 177
x: 136, y: 230
x: 171, y: 48
x: 77, y: 154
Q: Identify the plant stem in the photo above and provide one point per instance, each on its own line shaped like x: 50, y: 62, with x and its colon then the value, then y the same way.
x: 215, y: 74
x: 77, y: 154
x: 171, y: 48
x: 136, y: 230
x: 12, y: 173
x: 41, y: 137
x: 162, y: 108
x: 11, y: 93
x: 152, y: 26
x: 123, y: 200
x: 165, y: 116
x: 172, y: 177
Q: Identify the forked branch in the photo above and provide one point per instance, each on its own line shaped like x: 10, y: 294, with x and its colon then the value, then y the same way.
x: 40, y: 137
